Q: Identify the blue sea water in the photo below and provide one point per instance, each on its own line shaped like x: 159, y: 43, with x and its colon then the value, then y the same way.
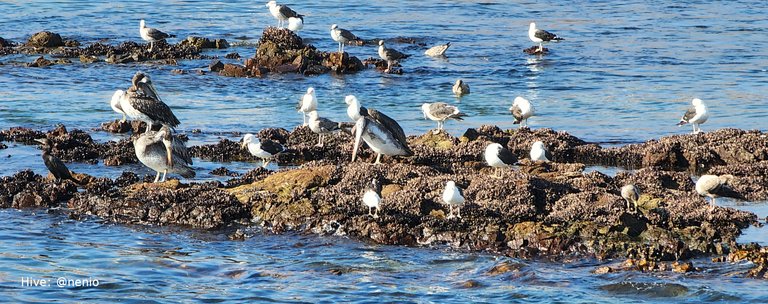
x: 625, y: 73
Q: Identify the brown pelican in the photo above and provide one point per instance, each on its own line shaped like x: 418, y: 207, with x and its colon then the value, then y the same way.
x: 382, y: 133
x: 440, y: 112
x: 540, y: 153
x: 696, y: 115
x: 630, y: 195
x: 499, y: 157
x: 372, y: 197
x: 452, y: 196
x: 281, y: 12
x: 151, y: 35
x: 115, y: 103
x: 321, y: 126
x: 390, y: 55
x: 713, y: 186
x: 53, y: 163
x: 341, y: 36
x: 521, y: 110
x: 308, y: 103
x: 266, y: 149
x: 141, y: 102
x: 541, y: 36
x: 163, y: 152
x: 460, y: 88
x: 438, y: 50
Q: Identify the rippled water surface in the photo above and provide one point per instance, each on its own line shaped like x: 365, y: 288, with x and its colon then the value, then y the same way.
x: 625, y: 73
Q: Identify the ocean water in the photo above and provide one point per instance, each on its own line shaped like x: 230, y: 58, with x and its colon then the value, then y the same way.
x: 625, y: 73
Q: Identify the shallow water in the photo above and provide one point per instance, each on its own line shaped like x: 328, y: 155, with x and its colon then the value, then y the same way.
x: 625, y: 74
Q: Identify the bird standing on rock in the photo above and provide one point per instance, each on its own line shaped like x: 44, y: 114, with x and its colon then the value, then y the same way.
x: 141, y: 102
x: 308, y: 103
x: 713, y: 186
x: 115, y: 103
x: 630, y: 195
x: 541, y: 36
x: 539, y: 152
x: 321, y: 126
x: 372, y: 197
x: 57, y: 168
x: 696, y: 115
x: 499, y: 157
x: 521, y: 110
x: 163, y: 152
x: 266, y: 149
x: 389, y: 55
x: 460, y: 88
x: 282, y: 13
x: 295, y: 24
x: 452, y: 197
x: 341, y: 36
x: 440, y: 112
x: 151, y: 35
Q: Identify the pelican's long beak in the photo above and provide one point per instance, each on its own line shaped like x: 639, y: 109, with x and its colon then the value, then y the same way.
x: 40, y: 140
x: 359, y: 128
x: 168, y: 152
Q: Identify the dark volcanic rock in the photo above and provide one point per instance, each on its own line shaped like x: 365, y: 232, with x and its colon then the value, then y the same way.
x: 216, y: 66
x: 45, y: 39
x: 5, y: 43
x: 40, y: 62
x: 28, y: 190
x: 204, y: 43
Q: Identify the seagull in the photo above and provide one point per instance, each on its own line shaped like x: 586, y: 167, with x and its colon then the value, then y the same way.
x: 440, y: 111
x: 163, y: 152
x: 631, y: 195
x: 307, y: 104
x: 115, y: 103
x: 452, y: 196
x: 282, y: 12
x: 539, y: 152
x: 390, y: 55
x: 522, y: 110
x: 460, y: 88
x: 382, y: 133
x: 541, y: 36
x: 372, y: 197
x: 354, y: 110
x: 266, y: 149
x: 295, y: 24
x: 498, y: 157
x: 140, y: 102
x: 341, y: 36
x: 438, y: 50
x: 57, y: 168
x: 151, y: 35
x: 321, y: 126
x: 696, y: 115
x: 712, y: 186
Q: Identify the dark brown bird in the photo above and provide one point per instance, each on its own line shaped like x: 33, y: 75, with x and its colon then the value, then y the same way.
x: 54, y: 164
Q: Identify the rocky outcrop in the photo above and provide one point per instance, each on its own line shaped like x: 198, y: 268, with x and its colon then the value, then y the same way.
x: 26, y: 189
x: 45, y: 39
x: 205, y: 43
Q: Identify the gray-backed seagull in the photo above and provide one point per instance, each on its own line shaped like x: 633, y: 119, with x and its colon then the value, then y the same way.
x: 499, y: 157
x: 151, y: 35
x: 265, y: 149
x: 308, y: 103
x: 521, y: 110
x: 321, y: 126
x: 540, y: 153
x: 281, y: 12
x: 541, y: 36
x: 696, y: 115
x: 452, y: 197
x: 713, y: 186
x: 341, y: 36
x: 390, y: 55
x: 440, y: 112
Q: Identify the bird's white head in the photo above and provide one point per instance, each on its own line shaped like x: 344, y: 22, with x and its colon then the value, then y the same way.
x: 538, y: 145
x: 425, y: 109
x: 311, y: 90
x: 495, y: 146
x: 351, y: 100
x: 532, y: 26
x: 697, y: 102
x: 271, y: 4
x: 450, y: 184
x: 381, y: 42
x: 249, y: 138
x: 334, y: 26
x: 142, y: 24
x: 116, y: 97
x: 519, y: 100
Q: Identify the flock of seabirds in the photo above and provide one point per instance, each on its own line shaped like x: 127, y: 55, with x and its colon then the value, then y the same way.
x: 165, y: 153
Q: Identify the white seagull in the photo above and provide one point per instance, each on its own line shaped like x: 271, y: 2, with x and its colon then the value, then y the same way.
x: 712, y: 186
x: 372, y: 197
x: 440, y: 112
x: 630, y: 195
x: 438, y: 50
x: 266, y: 149
x: 499, y: 157
x: 151, y: 35
x: 522, y: 110
x: 540, y: 153
x: 281, y: 12
x: 295, y: 24
x: 308, y: 103
x: 115, y: 103
x: 460, y: 88
x: 321, y: 126
x: 696, y: 115
x: 452, y: 197
x: 341, y: 36
x: 541, y: 36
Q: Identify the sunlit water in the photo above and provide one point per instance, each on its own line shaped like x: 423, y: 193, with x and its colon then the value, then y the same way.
x: 625, y: 73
